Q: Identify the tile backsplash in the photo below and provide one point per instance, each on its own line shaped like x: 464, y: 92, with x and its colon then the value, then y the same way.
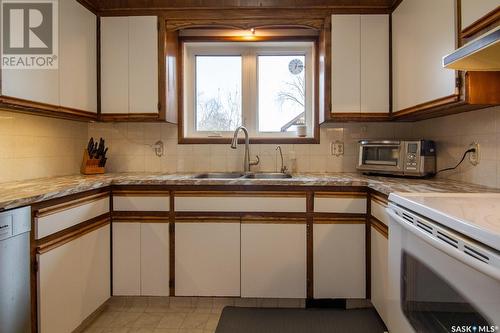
x: 130, y: 149
x: 34, y: 147
x: 453, y: 135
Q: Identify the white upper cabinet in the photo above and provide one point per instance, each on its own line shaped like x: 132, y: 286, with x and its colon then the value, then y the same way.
x: 375, y: 63
x: 78, y: 59
x: 114, y: 64
x: 423, y: 31
x: 473, y: 10
x: 360, y: 63
x: 129, y: 64
x: 346, y: 63
x: 74, y: 83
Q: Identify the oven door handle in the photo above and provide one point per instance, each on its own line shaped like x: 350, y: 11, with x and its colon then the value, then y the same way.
x: 483, y: 267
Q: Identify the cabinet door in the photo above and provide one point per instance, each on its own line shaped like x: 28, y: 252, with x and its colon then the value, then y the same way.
x: 360, y: 63
x: 77, y: 57
x: 374, y: 64
x: 473, y: 10
x: 207, y: 259
x: 59, y: 284
x: 423, y: 31
x: 155, y: 259
x: 273, y: 260
x: 95, y: 269
x: 346, y: 69
x: 143, y: 64
x: 114, y: 65
x: 379, y: 275
x: 339, y: 260
x: 126, y: 259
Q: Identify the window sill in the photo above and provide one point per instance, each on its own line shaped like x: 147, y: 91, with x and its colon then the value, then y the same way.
x: 309, y: 140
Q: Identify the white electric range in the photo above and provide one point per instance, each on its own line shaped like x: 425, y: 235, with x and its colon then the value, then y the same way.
x: 444, y: 262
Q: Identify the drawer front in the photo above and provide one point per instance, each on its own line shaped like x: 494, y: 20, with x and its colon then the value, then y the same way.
x: 61, y: 217
x: 146, y: 203
x: 378, y: 211
x: 240, y: 204
x: 340, y: 204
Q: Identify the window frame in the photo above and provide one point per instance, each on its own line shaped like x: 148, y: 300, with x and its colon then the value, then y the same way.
x: 187, y: 88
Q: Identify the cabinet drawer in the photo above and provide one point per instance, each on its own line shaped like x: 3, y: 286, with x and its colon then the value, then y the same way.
x: 339, y: 203
x: 56, y: 218
x: 145, y: 203
x: 241, y: 203
x: 378, y: 211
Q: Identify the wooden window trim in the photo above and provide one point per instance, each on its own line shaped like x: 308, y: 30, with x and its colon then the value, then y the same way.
x: 176, y: 82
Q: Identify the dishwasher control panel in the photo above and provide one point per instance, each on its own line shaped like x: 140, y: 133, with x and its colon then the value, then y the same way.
x: 15, y: 222
x: 5, y: 226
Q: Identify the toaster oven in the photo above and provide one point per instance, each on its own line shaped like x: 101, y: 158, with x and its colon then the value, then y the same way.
x: 415, y: 158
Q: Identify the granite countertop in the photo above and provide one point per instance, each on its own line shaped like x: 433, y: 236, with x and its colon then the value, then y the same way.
x: 22, y: 193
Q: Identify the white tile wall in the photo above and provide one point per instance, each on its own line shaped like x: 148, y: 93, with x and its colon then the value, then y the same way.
x: 130, y: 151
x: 453, y: 134
x: 34, y: 147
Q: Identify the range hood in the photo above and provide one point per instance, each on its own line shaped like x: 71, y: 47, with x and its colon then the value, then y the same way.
x: 480, y: 54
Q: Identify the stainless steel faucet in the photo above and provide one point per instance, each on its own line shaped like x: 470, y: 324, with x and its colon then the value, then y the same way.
x: 234, y: 144
x: 283, y: 168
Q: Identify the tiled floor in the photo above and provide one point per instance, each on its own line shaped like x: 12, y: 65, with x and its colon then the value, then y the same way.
x: 171, y: 314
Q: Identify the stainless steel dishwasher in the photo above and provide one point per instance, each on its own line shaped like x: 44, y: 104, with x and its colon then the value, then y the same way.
x: 15, y: 293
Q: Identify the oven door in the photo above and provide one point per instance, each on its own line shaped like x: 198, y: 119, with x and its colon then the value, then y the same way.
x: 435, y: 283
x: 383, y: 156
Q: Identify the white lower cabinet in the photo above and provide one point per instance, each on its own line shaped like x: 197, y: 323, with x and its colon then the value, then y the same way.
x: 379, y: 273
x: 155, y: 259
x: 273, y: 260
x: 73, y: 281
x: 140, y: 259
x: 339, y: 260
x: 207, y: 259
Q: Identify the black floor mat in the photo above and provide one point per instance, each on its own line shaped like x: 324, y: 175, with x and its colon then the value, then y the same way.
x: 262, y: 320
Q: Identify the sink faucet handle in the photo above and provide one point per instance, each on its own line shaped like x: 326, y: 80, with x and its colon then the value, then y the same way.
x: 256, y: 161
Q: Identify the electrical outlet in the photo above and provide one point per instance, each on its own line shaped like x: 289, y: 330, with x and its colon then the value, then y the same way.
x: 474, y: 156
x: 337, y: 148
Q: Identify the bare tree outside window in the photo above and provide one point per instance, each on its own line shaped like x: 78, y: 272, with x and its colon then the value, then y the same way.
x: 218, y: 93
x: 220, y: 113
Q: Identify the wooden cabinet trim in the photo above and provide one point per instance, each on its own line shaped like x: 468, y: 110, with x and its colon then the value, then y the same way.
x: 139, y: 193
x: 129, y: 117
x: 340, y: 194
x: 141, y: 219
x: 339, y: 220
x: 411, y: 111
x: 238, y: 194
x: 481, y: 24
x: 42, y: 212
x: 58, y: 239
x: 272, y: 220
x: 206, y: 219
x: 44, y: 109
x: 379, y: 199
x: 380, y: 227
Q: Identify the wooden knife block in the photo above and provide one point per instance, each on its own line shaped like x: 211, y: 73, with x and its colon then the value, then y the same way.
x: 90, y: 166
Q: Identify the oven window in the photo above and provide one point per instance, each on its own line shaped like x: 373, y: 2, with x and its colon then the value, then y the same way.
x: 381, y: 155
x: 430, y: 303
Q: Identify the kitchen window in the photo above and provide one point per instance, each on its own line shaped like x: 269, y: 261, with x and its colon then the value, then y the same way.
x: 266, y: 86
